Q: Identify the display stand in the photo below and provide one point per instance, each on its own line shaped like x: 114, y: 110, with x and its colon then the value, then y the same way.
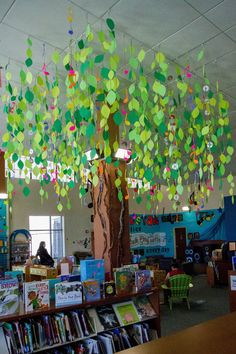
x: 154, y: 321
x: 20, y: 247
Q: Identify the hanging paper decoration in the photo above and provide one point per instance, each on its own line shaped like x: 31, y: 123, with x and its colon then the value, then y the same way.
x: 178, y: 128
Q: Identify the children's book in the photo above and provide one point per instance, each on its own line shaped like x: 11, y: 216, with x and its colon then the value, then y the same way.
x: 107, y: 317
x: 144, y: 307
x: 143, y: 280
x: 123, y: 280
x: 68, y: 293
x: 92, y: 269
x: 9, y: 297
x: 16, y: 274
x: 36, y: 295
x: 52, y: 283
x: 91, y: 290
x: 126, y: 313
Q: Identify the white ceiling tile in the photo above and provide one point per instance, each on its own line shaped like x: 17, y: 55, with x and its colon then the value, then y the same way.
x: 204, y: 5
x: 214, y: 48
x: 97, y: 8
x: 232, y: 32
x: 189, y: 37
x: 4, y: 7
x: 151, y: 21
x: 47, y: 20
x: 223, y: 15
x: 13, y: 45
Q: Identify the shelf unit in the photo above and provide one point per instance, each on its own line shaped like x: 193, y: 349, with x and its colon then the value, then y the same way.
x: 3, y: 236
x: 20, y: 247
x: 154, y: 321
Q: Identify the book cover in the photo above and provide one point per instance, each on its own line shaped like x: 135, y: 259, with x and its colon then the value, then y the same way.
x: 126, y: 313
x: 143, y: 280
x: 109, y: 288
x: 52, y: 283
x: 91, y: 290
x: 92, y: 269
x: 68, y: 293
x: 36, y: 295
x: 144, y: 307
x: 107, y: 317
x: 9, y: 297
x: 123, y: 281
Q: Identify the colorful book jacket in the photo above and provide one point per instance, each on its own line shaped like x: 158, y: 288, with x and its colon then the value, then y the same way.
x: 144, y: 308
x: 36, y: 295
x: 143, y: 280
x: 92, y: 269
x: 68, y: 293
x: 124, y: 283
x: 91, y: 290
x: 107, y: 317
x: 126, y: 313
x: 9, y: 297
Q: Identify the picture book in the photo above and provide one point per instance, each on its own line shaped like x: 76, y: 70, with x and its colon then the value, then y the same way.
x: 143, y: 280
x: 68, y: 293
x: 52, y: 283
x: 16, y: 274
x: 36, y: 295
x: 107, y: 317
x: 144, y: 307
x: 126, y: 313
x: 91, y: 290
x: 92, y: 269
x: 9, y: 297
x: 123, y: 281
x: 109, y: 288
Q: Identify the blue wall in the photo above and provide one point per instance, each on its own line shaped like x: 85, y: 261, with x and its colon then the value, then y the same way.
x: 156, y: 237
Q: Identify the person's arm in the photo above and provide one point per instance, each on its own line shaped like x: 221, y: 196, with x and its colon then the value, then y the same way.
x: 167, y: 278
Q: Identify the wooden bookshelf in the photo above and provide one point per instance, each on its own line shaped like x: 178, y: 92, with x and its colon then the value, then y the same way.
x: 154, y: 321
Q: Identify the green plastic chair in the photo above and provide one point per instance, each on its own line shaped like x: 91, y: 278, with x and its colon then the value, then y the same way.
x: 179, y: 286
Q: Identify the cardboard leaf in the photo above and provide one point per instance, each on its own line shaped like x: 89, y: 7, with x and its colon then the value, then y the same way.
x: 200, y: 55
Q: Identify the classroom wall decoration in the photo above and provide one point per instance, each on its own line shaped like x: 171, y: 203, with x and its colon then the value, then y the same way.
x: 176, y: 127
x: 157, y: 239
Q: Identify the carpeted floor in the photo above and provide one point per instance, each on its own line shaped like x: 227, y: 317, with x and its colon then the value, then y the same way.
x: 206, y: 303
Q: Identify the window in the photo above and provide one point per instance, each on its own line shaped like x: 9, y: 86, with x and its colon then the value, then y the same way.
x: 51, y: 230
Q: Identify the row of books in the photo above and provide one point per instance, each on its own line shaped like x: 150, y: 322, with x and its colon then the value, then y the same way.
x: 60, y: 328
x: 108, y: 342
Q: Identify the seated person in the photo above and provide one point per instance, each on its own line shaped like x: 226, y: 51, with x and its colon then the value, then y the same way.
x: 175, y: 270
x: 45, y: 258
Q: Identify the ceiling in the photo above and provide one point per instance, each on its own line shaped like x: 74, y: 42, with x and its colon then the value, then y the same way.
x: 179, y: 28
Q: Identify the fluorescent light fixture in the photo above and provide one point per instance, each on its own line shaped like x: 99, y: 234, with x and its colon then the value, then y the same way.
x: 3, y: 195
x: 185, y: 208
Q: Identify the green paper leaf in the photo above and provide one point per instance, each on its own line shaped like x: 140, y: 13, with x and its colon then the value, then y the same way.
x: 105, y: 111
x: 28, y: 62
x: 200, y: 55
x: 230, y: 150
x: 95, y: 180
x: 26, y: 191
x: 99, y: 58
x: 29, y: 96
x: 120, y: 196
x: 205, y: 130
x: 160, y: 57
x: 110, y: 24
x: 57, y: 126
x: 141, y: 55
x: 118, y: 118
x: 111, y: 97
x: 148, y: 174
x: 59, y: 207
x: 117, y: 182
x: 133, y: 117
x: 90, y: 130
x: 81, y: 44
x: 55, y: 57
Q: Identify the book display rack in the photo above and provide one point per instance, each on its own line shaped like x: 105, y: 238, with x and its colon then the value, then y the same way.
x: 105, y: 326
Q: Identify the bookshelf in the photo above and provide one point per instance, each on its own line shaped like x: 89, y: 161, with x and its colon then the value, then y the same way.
x: 20, y: 247
x: 153, y: 321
